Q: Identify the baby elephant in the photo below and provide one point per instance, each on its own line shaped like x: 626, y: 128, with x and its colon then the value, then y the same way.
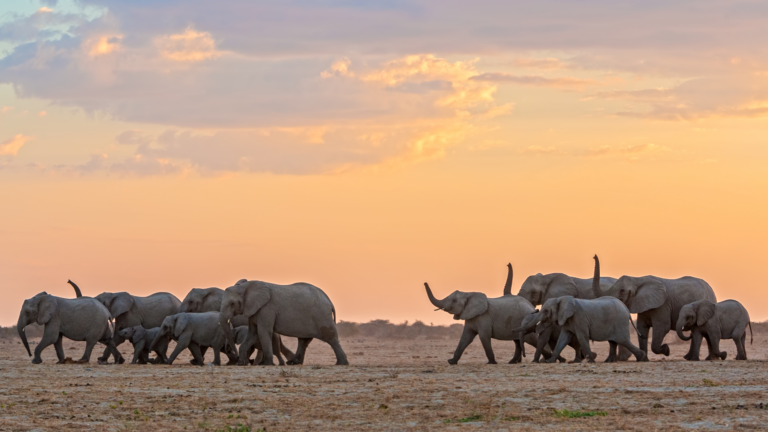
x: 193, y: 330
x: 241, y: 333
x: 141, y: 339
x: 725, y: 320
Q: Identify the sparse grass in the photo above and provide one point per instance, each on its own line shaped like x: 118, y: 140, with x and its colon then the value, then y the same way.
x: 239, y: 428
x: 393, y: 372
x: 708, y: 383
x: 290, y: 372
x: 565, y: 413
x: 473, y: 418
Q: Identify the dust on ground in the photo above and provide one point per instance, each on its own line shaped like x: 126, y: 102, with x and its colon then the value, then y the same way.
x: 390, y: 385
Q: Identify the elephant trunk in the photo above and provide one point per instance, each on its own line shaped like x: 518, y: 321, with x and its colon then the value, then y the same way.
x: 596, y: 279
x: 22, y: 335
x: 440, y: 304
x: 77, y: 288
x: 157, y: 339
x: 524, y: 330
x: 224, y: 323
x: 680, y: 334
x: 508, y: 283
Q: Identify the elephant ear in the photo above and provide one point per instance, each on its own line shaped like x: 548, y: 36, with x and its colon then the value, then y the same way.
x: 255, y: 297
x: 45, y: 309
x: 705, y: 310
x: 181, y: 323
x: 565, y: 310
x: 138, y: 334
x: 477, y: 303
x: 565, y: 286
x: 650, y: 295
x: 121, y: 304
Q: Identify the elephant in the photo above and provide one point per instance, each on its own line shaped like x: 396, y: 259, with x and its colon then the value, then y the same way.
x: 209, y: 300
x: 242, y: 332
x: 547, y: 335
x: 129, y: 310
x: 193, y: 331
x: 725, y: 320
x: 539, y: 288
x: 490, y: 318
x: 298, y: 310
x: 657, y: 303
x: 79, y: 319
x: 141, y: 339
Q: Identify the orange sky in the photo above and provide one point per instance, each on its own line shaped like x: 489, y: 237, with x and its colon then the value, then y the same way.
x: 160, y: 156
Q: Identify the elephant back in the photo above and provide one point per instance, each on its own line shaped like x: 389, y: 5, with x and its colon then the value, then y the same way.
x: 154, y: 308
x: 685, y: 290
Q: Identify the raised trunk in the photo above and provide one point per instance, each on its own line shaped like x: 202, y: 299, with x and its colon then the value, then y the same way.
x: 508, y: 283
x: 680, y: 331
x: 77, y: 288
x: 440, y: 304
x: 22, y: 335
x: 596, y: 279
x: 224, y: 323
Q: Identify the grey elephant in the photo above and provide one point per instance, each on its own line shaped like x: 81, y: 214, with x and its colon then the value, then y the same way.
x: 490, y: 318
x: 193, y: 331
x: 79, y: 319
x: 657, y: 303
x: 141, y: 339
x: 209, y: 300
x: 298, y: 310
x: 725, y: 320
x: 241, y: 333
x: 129, y: 310
x: 546, y: 336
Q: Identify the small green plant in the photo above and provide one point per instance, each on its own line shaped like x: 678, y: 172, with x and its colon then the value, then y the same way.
x: 113, y: 406
x: 708, y: 383
x: 564, y: 413
x: 474, y: 417
x: 136, y: 412
x: 64, y: 393
x: 239, y: 428
x: 120, y: 402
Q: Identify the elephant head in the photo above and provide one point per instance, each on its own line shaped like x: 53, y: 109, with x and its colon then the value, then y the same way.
x: 171, y: 328
x: 640, y: 294
x: 133, y: 334
x: 557, y: 310
x: 116, y: 303
x: 39, y: 309
x: 463, y: 305
x: 194, y: 301
x: 539, y: 288
x: 244, y: 298
x: 694, y: 314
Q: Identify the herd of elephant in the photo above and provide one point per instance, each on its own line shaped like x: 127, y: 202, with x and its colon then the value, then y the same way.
x: 242, y: 315
x: 252, y: 315
x: 576, y: 311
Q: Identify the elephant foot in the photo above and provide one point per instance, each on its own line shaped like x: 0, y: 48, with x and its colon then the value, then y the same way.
x: 561, y: 359
x: 644, y: 358
x: 513, y: 361
x: 665, y: 349
x: 121, y: 360
x: 550, y: 360
x: 452, y: 361
x: 695, y: 359
x: 83, y: 361
x: 100, y: 361
x: 491, y: 362
x: 610, y: 360
x: 342, y: 363
x: 687, y: 356
x: 723, y: 355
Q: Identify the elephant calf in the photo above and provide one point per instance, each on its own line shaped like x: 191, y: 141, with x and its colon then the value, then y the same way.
x: 193, y: 331
x: 547, y: 335
x: 79, y: 319
x: 141, y: 339
x: 241, y: 333
x: 725, y: 320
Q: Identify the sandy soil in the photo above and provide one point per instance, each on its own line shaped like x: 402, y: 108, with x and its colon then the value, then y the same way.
x: 391, y: 385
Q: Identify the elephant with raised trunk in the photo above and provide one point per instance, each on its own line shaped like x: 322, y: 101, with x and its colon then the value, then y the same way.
x: 298, y: 310
x: 657, y: 303
x: 600, y: 319
x: 725, y: 320
x: 209, y: 300
x: 79, y: 319
x: 489, y: 318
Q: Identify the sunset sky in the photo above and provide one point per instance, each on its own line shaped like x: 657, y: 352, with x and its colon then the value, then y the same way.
x: 368, y: 147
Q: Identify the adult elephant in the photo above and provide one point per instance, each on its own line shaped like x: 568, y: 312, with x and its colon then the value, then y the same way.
x: 298, y: 310
x: 129, y: 310
x: 492, y: 318
x: 657, y: 303
x: 209, y: 300
x: 80, y: 319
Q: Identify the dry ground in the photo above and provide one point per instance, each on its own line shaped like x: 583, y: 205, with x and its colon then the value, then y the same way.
x: 391, y: 385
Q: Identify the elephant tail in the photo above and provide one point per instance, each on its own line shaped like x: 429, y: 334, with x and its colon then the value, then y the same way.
x: 333, y: 311
x: 633, y: 325
x: 750, y: 332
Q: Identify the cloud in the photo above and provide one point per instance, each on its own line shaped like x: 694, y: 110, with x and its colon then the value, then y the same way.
x: 11, y: 146
x: 540, y: 63
x: 632, y: 152
x: 6, y: 109
x: 538, y: 150
x: 104, y: 45
x: 189, y: 46
x: 536, y: 80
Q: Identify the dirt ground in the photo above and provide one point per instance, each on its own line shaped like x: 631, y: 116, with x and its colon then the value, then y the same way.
x: 391, y: 385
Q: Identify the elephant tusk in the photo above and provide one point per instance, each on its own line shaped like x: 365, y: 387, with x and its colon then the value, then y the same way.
x: 436, y: 310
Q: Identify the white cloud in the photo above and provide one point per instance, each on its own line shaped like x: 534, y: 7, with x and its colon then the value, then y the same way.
x: 11, y: 146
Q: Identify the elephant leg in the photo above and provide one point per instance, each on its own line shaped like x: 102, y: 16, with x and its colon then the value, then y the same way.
x: 639, y: 354
x: 624, y: 353
x: 341, y: 357
x: 202, y: 350
x: 181, y: 344
x: 50, y: 336
x: 276, y: 348
x: 216, y: 356
x: 467, y: 336
x: 197, y: 353
x: 584, y: 342
x: 89, y: 344
x: 116, y: 341
x: 695, y: 345
x: 714, y: 341
x: 562, y: 341
x: 138, y: 352
x: 577, y: 348
x: 643, y: 330
x: 161, y: 353
x: 741, y: 351
x: 285, y: 351
x: 298, y: 358
x: 265, y: 330
x: 657, y: 344
x: 250, y: 340
x: 611, y: 352
x: 59, y: 346
x: 485, y: 339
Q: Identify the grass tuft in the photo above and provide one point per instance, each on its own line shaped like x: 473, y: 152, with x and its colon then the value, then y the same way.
x: 564, y: 413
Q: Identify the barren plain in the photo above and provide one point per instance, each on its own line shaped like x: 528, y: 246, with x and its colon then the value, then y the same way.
x: 390, y: 385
